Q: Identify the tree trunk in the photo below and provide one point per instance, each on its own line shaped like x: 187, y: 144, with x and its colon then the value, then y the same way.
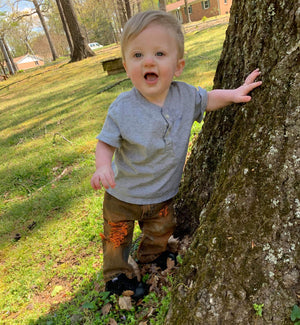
x: 81, y: 49
x: 162, y: 5
x: 128, y: 9
x: 241, y: 184
x: 43, y: 22
x: 3, y: 70
x: 6, y: 57
x: 65, y: 26
x: 14, y: 66
x: 186, y: 5
x: 121, y: 12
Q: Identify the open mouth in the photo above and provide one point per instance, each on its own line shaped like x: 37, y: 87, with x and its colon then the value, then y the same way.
x: 150, y: 76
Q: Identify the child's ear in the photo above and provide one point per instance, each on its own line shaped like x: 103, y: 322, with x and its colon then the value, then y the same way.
x: 180, y: 67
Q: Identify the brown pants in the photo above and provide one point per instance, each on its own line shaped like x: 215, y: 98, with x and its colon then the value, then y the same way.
x: 156, y: 222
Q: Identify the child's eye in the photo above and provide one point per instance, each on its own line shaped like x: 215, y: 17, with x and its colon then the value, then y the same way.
x: 159, y: 54
x: 137, y: 55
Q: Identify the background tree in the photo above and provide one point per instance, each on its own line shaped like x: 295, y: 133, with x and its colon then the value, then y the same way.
x: 43, y: 22
x: 96, y: 17
x: 162, y: 5
x: 7, y: 56
x: 188, y: 15
x: 5, y: 26
x: 81, y: 49
x: 241, y: 184
x: 18, y: 16
x: 65, y: 25
x: 20, y: 35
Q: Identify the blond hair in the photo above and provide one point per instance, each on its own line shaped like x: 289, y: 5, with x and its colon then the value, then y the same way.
x: 136, y: 24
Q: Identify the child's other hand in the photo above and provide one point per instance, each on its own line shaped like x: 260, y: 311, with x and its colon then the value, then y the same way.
x: 241, y: 93
x: 103, y: 175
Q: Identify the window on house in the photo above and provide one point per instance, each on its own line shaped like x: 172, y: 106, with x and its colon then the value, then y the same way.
x: 189, y: 9
x: 225, y: 1
x: 205, y: 4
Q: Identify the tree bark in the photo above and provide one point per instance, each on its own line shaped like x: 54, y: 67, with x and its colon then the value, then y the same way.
x: 81, y: 49
x: 9, y: 64
x: 240, y: 194
x: 43, y: 22
x: 3, y: 70
x: 162, y: 5
x: 121, y: 12
x: 14, y: 66
x: 128, y: 9
x: 65, y: 26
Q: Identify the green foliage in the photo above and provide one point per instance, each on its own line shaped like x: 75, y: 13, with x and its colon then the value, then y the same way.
x: 179, y: 259
x: 162, y: 308
x: 258, y: 309
x: 295, y: 315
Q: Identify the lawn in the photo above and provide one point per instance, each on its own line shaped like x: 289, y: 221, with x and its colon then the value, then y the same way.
x: 50, y: 218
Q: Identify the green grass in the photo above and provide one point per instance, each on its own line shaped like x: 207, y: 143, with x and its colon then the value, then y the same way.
x: 49, y: 120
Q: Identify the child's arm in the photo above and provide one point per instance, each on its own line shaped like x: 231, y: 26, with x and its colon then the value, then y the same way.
x: 219, y: 98
x: 104, y: 173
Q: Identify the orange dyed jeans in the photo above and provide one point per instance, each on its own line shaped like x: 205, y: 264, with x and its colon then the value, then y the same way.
x: 156, y: 221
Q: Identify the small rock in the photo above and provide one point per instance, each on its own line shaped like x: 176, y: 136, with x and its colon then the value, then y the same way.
x: 32, y: 225
x: 17, y: 237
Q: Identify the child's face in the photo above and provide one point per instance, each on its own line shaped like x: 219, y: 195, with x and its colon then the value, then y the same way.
x: 151, y: 61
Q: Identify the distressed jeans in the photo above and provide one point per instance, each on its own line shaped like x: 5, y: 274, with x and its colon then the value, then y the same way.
x: 156, y: 221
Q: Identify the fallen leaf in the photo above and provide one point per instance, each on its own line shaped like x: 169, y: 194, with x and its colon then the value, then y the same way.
x: 112, y: 322
x: 170, y: 263
x: 128, y: 293
x: 125, y: 303
x: 98, y: 287
x: 106, y: 309
x: 135, y: 267
x: 153, y: 281
x: 153, y: 268
x: 150, y: 313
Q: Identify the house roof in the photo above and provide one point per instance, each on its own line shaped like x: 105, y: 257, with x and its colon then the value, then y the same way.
x: 177, y: 4
x: 26, y: 58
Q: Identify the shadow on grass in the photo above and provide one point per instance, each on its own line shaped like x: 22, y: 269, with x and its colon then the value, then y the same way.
x: 52, y: 114
x: 84, y: 308
x: 43, y: 199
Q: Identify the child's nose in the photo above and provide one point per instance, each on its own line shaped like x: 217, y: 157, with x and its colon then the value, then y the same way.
x: 148, y: 60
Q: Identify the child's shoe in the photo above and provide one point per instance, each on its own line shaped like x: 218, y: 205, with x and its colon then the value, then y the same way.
x: 161, y: 260
x: 121, y: 283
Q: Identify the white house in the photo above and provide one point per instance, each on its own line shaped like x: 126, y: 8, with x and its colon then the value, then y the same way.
x: 28, y: 61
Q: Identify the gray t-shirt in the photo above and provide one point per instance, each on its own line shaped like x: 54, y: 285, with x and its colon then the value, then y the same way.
x: 151, y: 142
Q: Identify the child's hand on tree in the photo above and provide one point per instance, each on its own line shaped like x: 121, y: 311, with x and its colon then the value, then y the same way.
x: 241, y: 93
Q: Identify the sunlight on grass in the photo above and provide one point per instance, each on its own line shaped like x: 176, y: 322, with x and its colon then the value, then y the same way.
x: 49, y: 120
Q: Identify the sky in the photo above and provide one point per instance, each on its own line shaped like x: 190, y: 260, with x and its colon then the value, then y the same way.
x: 4, y: 5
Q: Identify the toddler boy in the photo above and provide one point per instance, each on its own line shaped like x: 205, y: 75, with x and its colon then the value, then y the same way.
x: 148, y: 130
